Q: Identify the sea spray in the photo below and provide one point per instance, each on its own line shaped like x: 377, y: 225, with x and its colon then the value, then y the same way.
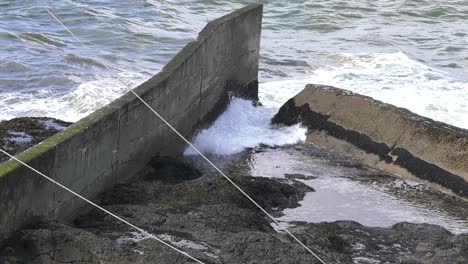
x: 244, y: 125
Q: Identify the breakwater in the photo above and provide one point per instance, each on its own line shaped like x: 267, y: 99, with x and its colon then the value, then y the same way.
x: 118, y: 140
x: 382, y: 135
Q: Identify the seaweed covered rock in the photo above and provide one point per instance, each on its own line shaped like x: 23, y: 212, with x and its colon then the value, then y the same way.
x: 19, y: 134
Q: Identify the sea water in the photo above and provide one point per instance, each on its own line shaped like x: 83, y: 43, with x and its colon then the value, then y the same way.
x: 413, y: 54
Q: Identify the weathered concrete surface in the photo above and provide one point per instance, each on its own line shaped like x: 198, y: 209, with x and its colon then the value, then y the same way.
x: 383, y: 135
x: 119, y: 139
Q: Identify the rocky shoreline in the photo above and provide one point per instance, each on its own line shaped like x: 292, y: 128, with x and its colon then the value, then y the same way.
x: 19, y: 134
x: 202, y: 214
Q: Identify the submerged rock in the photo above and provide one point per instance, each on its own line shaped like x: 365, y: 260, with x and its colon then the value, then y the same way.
x: 19, y: 134
x: 297, y: 176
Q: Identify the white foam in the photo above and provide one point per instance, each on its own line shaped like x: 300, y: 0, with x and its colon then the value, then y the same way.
x: 139, y: 252
x: 389, y: 77
x: 182, y: 242
x: 175, y: 241
x: 68, y: 106
x: 407, y: 184
x: 19, y: 137
x: 242, y: 126
x: 50, y: 123
x: 364, y: 260
x: 132, y: 237
x: 137, y: 237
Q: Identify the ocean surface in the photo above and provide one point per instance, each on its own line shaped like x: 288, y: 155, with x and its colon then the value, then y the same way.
x: 411, y: 53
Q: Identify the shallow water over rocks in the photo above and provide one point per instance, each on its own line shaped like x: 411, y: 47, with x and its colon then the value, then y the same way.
x: 348, y: 190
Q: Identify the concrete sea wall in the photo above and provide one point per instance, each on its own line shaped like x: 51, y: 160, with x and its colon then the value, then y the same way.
x: 118, y: 140
x: 383, y: 135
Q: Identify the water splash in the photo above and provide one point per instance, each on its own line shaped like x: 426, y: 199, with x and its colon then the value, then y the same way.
x: 244, y: 126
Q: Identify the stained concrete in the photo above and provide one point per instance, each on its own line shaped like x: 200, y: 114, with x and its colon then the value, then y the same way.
x: 119, y: 139
x: 382, y: 135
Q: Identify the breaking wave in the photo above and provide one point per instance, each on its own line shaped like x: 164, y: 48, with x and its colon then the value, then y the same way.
x: 242, y: 126
x: 393, y: 78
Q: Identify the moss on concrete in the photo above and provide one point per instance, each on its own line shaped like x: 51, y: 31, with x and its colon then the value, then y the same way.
x: 51, y: 142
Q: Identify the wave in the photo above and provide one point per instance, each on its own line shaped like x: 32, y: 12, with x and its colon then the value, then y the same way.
x: 393, y: 78
x: 69, y: 106
x: 12, y: 67
x: 83, y: 61
x: 42, y: 39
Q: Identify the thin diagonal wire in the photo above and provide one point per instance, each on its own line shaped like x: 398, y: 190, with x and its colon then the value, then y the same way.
x: 201, y: 154
x: 101, y: 208
x: 66, y: 28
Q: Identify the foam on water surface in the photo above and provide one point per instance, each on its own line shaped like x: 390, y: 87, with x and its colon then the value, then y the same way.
x: 393, y: 78
x: 173, y: 240
x: 69, y: 106
x: 19, y: 137
x: 50, y: 123
x: 241, y: 126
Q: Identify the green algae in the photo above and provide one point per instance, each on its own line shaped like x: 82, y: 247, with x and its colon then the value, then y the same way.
x: 50, y: 143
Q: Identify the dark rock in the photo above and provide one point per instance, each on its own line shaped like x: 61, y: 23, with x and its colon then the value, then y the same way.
x: 297, y: 176
x: 171, y: 170
x: 204, y: 215
x: 258, y: 247
x: 257, y: 103
x: 402, y: 243
x: 172, y: 200
x: 54, y: 242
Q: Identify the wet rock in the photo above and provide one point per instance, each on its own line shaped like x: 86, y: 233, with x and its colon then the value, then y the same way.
x: 402, y: 243
x: 170, y: 170
x: 297, y: 176
x: 19, y: 134
x: 257, y: 247
x: 171, y: 200
x: 55, y: 243
x: 203, y: 215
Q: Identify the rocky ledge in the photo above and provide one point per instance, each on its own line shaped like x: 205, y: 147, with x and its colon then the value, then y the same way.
x: 202, y: 214
x: 19, y: 134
